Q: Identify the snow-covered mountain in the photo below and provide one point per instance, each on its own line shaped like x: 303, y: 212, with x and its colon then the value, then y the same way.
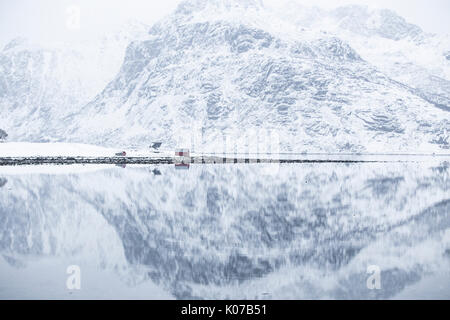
x: 226, y: 67
x: 324, y: 80
x: 40, y: 84
x: 401, y: 50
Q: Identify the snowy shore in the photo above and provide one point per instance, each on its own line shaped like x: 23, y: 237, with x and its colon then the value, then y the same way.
x: 26, y: 149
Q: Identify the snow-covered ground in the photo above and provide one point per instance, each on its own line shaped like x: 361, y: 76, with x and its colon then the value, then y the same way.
x: 25, y: 149
x: 28, y: 149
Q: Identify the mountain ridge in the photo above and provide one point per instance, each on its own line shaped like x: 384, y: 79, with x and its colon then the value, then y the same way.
x: 155, y: 77
x: 215, y: 70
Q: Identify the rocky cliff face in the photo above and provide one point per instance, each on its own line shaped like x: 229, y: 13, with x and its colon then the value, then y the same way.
x: 41, y: 84
x: 399, y: 49
x: 209, y: 67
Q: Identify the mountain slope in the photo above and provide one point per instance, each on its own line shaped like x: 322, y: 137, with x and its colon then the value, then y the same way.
x: 214, y: 70
x: 401, y: 50
x: 343, y: 80
x: 41, y: 84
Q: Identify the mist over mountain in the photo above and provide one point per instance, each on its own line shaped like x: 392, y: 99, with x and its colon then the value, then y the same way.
x: 40, y: 84
x: 349, y: 79
x: 397, y: 48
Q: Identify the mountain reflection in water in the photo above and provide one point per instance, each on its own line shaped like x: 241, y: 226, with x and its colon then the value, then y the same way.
x: 227, y: 231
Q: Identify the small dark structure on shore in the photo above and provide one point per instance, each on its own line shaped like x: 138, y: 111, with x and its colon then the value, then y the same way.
x: 3, y: 135
x: 121, y: 154
x: 156, y: 145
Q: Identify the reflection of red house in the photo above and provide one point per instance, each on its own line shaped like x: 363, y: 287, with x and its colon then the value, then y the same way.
x: 184, y: 166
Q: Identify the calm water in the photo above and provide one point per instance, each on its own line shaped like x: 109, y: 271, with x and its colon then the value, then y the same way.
x: 226, y: 231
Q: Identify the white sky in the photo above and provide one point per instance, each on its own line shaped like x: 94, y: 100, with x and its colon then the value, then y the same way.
x: 46, y: 20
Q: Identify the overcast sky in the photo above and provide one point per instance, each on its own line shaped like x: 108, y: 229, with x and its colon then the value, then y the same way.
x: 47, y: 20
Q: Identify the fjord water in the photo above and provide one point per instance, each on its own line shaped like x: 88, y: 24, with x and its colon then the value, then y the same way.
x: 242, y: 231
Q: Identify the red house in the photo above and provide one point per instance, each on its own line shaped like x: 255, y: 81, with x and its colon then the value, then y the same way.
x: 182, y: 153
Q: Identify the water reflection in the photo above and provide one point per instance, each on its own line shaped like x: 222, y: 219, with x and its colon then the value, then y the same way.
x: 233, y: 231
